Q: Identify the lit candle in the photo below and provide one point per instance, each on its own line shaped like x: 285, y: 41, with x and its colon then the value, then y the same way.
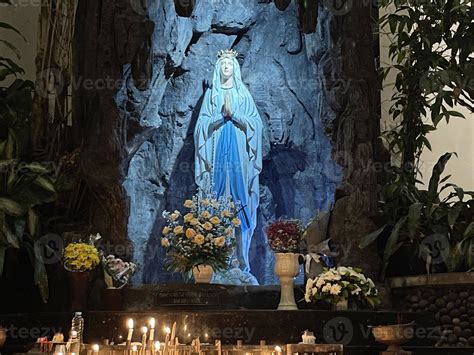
x: 278, y: 349
x: 173, y: 333
x: 130, y: 324
x: 144, y: 332
x: 134, y: 349
x: 152, y: 330
x: 157, y: 347
x: 95, y: 348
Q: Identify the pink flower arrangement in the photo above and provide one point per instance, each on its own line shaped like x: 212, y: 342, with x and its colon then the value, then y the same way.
x: 284, y: 236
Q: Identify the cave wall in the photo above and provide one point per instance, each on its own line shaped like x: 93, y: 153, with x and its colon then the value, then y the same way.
x: 299, y: 176
x: 316, y: 94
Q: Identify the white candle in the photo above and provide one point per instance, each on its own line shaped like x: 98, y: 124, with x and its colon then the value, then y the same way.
x: 144, y: 332
x: 95, y: 348
x: 130, y: 324
x: 152, y: 329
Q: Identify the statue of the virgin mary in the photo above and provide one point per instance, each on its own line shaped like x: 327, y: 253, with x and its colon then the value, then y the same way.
x: 228, y: 145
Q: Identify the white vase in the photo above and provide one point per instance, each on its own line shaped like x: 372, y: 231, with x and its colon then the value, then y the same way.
x: 286, y: 268
x: 202, y: 274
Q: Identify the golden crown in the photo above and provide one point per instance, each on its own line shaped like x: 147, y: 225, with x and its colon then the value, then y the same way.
x: 227, y: 53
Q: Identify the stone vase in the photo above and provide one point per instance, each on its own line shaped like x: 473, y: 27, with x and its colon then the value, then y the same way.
x: 202, y: 274
x: 79, y: 285
x: 286, y: 268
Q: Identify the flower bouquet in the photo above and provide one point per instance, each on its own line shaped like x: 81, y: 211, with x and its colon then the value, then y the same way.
x: 203, y: 237
x: 284, y: 236
x: 80, y: 257
x: 340, y: 284
x: 117, y: 273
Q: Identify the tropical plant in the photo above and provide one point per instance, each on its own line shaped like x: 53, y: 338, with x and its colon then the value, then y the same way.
x: 410, y: 214
x: 431, y: 51
x: 24, y: 185
x: 203, y: 236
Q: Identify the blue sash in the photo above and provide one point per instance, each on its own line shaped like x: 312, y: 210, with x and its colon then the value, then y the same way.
x: 227, y: 162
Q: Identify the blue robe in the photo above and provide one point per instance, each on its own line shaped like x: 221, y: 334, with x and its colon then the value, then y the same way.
x: 229, y: 153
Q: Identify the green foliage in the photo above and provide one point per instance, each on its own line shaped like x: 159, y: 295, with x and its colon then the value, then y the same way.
x: 431, y: 50
x: 24, y: 185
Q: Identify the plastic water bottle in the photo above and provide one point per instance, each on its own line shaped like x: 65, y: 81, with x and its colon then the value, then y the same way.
x: 77, y: 325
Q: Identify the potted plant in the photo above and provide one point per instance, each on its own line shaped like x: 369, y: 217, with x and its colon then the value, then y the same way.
x: 338, y: 286
x: 80, y: 259
x: 284, y: 238
x: 202, y: 240
x: 432, y: 72
x: 26, y: 186
x: 416, y: 220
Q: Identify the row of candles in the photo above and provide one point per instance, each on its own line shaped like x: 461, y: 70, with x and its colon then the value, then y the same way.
x: 155, y: 346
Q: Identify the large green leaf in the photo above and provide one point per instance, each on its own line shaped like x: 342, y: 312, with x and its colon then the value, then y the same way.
x: 10, y: 27
x: 12, y: 48
x: 11, y: 207
x: 414, y: 216
x: 469, y: 232
x: 393, y: 244
x: 33, y: 222
x: 371, y: 237
x: 453, y: 215
x: 438, y: 169
x: 12, y: 238
x: 45, y: 183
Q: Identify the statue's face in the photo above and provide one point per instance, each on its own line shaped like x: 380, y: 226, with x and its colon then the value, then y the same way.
x: 227, y: 68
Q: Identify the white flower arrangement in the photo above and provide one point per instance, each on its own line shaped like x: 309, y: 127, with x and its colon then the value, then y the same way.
x: 203, y: 236
x: 342, y: 283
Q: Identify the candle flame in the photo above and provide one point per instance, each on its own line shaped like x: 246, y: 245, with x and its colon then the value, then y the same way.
x: 157, y: 345
x: 130, y: 323
x: 95, y: 347
x: 144, y: 330
x: 152, y: 323
x: 278, y: 349
x: 167, y: 330
x: 134, y: 348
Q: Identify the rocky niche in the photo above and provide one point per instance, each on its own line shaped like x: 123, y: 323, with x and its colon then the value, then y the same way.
x: 299, y: 175
x: 316, y: 94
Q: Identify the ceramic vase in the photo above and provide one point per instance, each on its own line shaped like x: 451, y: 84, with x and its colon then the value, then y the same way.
x: 202, y: 274
x: 286, y: 268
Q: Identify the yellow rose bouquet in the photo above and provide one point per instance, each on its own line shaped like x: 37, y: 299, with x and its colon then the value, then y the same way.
x: 204, y: 235
x: 79, y: 257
